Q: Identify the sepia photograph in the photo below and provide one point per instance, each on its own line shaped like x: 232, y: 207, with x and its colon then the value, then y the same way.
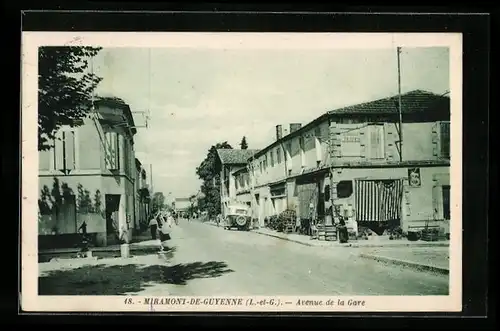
x: 229, y: 171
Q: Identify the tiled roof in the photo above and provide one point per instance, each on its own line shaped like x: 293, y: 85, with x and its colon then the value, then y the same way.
x: 412, y: 102
x: 235, y: 156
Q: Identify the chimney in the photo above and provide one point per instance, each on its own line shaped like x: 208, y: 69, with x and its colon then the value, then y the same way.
x: 279, y: 132
x: 294, y: 127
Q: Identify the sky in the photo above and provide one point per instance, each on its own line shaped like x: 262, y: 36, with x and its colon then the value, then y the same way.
x: 198, y: 97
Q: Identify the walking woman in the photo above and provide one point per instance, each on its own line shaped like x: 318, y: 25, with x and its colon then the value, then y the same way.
x: 153, y: 225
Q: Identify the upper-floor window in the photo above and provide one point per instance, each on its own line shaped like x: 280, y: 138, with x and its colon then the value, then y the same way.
x: 64, y: 150
x: 445, y: 139
x: 441, y: 139
x: 271, y: 154
x: 317, y: 133
x: 278, y: 155
x: 376, y: 141
x: 112, y: 150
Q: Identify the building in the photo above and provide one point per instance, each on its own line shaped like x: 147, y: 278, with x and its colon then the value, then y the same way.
x: 182, y: 204
x: 88, y: 176
x: 143, y: 196
x: 233, y: 163
x: 349, y: 162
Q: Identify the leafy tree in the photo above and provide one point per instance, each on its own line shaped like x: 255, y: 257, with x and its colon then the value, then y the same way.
x: 157, y: 202
x: 243, y: 143
x: 64, y: 88
x: 209, y: 172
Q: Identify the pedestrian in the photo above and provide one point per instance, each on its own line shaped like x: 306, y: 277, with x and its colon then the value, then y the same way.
x: 153, y: 226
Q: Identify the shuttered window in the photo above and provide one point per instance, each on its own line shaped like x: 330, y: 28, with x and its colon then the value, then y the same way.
x: 64, y: 151
x: 112, y: 153
x: 445, y: 139
x: 376, y: 142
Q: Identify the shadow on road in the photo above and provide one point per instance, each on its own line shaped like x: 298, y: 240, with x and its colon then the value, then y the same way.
x: 121, y: 279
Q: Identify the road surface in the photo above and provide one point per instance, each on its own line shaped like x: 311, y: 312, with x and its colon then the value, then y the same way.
x: 207, y: 260
x: 253, y: 264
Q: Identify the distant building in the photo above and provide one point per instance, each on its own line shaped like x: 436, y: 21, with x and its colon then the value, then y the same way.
x: 182, y: 204
x: 231, y: 162
x: 143, y: 197
x: 88, y: 176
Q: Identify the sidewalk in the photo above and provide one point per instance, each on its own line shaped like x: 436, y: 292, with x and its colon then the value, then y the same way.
x: 435, y: 259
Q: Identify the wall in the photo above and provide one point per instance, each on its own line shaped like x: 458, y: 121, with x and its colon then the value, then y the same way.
x: 421, y: 205
x: 417, y: 142
x: 87, y: 149
x: 315, y: 149
x: 90, y: 204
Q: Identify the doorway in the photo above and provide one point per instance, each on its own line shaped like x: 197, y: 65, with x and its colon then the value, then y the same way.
x: 112, y: 217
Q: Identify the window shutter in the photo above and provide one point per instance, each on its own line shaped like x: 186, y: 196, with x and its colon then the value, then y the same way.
x: 436, y: 202
x: 389, y: 142
x: 69, y: 147
x: 111, y: 151
x: 58, y: 152
x: 435, y: 139
x: 445, y: 139
x: 319, y: 150
x: 335, y: 143
x: 363, y: 142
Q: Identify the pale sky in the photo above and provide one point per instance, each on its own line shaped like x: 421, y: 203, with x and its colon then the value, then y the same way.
x: 199, y: 97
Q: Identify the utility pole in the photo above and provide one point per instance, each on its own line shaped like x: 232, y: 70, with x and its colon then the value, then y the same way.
x: 399, y: 108
x: 151, y: 176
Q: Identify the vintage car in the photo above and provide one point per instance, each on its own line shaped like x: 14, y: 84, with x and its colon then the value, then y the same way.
x: 238, y: 216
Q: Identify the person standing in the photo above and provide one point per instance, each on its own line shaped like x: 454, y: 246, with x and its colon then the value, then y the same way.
x: 153, y: 226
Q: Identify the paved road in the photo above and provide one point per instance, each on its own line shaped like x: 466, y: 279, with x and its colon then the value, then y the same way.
x: 206, y: 260
x: 262, y: 265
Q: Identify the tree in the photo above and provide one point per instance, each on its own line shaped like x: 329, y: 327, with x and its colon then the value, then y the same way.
x: 243, y: 143
x: 64, y: 89
x: 157, y: 202
x: 209, y: 172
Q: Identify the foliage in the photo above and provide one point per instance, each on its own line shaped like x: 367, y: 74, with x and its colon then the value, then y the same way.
x: 85, y: 203
x: 64, y: 89
x: 157, y: 202
x: 243, y: 143
x: 209, y: 172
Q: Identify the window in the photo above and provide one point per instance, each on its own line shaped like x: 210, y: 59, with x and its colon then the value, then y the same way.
x: 278, y: 155
x: 344, y: 189
x: 317, y: 133
x: 271, y: 154
x: 376, y: 142
x: 446, y: 202
x: 445, y: 139
x: 112, y: 151
x: 327, y: 193
x: 64, y: 151
x: 302, y: 151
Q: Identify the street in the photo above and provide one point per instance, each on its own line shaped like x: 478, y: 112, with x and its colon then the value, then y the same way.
x: 207, y: 260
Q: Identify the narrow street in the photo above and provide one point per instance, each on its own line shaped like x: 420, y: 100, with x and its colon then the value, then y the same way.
x: 263, y: 265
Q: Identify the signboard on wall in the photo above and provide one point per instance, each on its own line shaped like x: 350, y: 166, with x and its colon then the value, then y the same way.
x: 414, y: 178
x: 350, y: 144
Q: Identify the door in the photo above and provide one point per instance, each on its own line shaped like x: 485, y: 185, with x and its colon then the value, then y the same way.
x: 112, y: 216
x: 446, y: 202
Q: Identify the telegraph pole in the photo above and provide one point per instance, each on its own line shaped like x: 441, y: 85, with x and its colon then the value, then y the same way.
x: 399, y: 108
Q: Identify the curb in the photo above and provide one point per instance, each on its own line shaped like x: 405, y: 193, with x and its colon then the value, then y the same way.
x: 413, y: 265
x: 282, y: 238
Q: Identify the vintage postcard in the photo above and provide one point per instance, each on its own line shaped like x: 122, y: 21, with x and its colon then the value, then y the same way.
x: 234, y: 172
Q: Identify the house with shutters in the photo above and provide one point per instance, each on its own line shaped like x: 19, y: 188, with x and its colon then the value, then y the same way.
x: 88, y: 176
x: 231, y: 164
x: 358, y: 163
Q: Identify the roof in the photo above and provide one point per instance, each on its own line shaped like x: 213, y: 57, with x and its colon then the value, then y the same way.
x: 413, y: 102
x: 235, y: 156
x: 114, y: 102
x: 417, y: 101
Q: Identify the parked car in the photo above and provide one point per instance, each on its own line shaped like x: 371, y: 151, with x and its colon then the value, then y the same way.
x: 239, y: 216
